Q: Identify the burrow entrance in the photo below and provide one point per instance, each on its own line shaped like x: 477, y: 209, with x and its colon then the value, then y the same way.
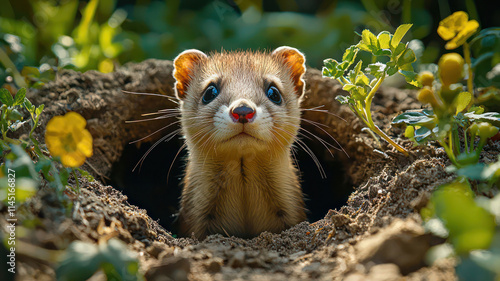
x: 153, y: 188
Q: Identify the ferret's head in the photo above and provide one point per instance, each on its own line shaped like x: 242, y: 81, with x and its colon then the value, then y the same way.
x: 240, y: 101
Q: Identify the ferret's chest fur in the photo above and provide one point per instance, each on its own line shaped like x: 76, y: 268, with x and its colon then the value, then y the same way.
x: 245, y: 196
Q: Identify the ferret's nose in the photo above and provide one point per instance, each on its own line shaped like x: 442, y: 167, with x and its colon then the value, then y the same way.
x: 242, y: 113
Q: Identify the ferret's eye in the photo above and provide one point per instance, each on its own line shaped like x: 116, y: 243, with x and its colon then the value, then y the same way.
x: 274, y: 95
x: 210, y: 94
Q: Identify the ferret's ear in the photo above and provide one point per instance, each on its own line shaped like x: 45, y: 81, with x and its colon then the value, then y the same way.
x: 184, y: 65
x: 296, y: 62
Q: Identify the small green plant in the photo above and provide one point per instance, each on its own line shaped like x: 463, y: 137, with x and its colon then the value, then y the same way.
x: 453, y: 120
x: 470, y: 224
x: 362, y: 84
x: 82, y: 259
x: 28, y: 158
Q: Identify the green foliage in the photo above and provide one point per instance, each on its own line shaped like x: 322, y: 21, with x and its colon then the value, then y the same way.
x: 452, y: 113
x: 363, y: 86
x: 27, y: 157
x: 444, y: 128
x: 471, y: 226
x: 486, y: 50
x: 83, y: 259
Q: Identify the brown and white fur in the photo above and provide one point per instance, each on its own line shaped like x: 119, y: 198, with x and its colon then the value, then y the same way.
x: 240, y: 178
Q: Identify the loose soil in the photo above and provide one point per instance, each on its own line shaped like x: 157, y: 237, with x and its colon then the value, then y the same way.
x: 367, y: 226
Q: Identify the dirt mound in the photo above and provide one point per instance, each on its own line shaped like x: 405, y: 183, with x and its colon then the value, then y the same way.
x: 375, y: 235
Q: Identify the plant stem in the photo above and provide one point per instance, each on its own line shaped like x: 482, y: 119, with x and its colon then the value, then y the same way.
x: 372, y: 125
x: 466, y: 144
x: 7, y: 62
x: 470, y: 79
x: 480, y: 145
x: 450, y: 154
x: 455, y: 141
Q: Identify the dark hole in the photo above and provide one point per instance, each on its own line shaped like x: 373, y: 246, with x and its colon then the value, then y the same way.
x: 147, y: 188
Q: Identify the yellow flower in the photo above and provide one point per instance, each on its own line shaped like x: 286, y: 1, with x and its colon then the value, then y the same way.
x: 451, y: 67
x: 67, y: 137
x: 457, y: 28
x: 425, y: 96
x: 426, y: 78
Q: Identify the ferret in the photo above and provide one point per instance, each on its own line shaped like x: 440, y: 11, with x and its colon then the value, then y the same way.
x: 240, y: 116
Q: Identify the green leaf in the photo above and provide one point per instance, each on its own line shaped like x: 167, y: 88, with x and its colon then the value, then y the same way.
x: 331, y: 69
x: 348, y: 87
x: 376, y: 69
x: 382, y: 52
x: 350, y: 54
x: 392, y: 70
x: 476, y: 109
x: 415, y: 118
x: 384, y: 39
x: 39, y: 110
x: 22, y: 163
x: 29, y: 106
x: 354, y: 73
x: 343, y: 66
x: 343, y: 99
x: 407, y: 57
x: 411, y: 78
x: 330, y: 63
x: 19, y: 99
x: 30, y: 72
x: 470, y: 226
x: 362, y: 80
x: 465, y: 158
x: 399, y: 50
x: 6, y: 97
x: 473, y: 172
x: 83, y: 259
x: 399, y: 34
x: 357, y: 69
x: 462, y: 101
x: 422, y: 134
x: 479, y: 171
x: 491, y: 117
x: 369, y: 40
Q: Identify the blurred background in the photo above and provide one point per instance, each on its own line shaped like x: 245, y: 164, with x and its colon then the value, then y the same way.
x: 104, y: 34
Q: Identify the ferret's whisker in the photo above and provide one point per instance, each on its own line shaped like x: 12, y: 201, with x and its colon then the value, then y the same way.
x: 167, y: 137
x: 175, y: 158
x: 152, y: 119
x: 146, y: 94
x: 163, y: 111
x: 274, y: 152
x: 310, y: 121
x: 315, y: 109
x: 161, y: 129
x: 170, y: 98
x: 324, y: 131
x: 309, y: 152
x: 317, y: 125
